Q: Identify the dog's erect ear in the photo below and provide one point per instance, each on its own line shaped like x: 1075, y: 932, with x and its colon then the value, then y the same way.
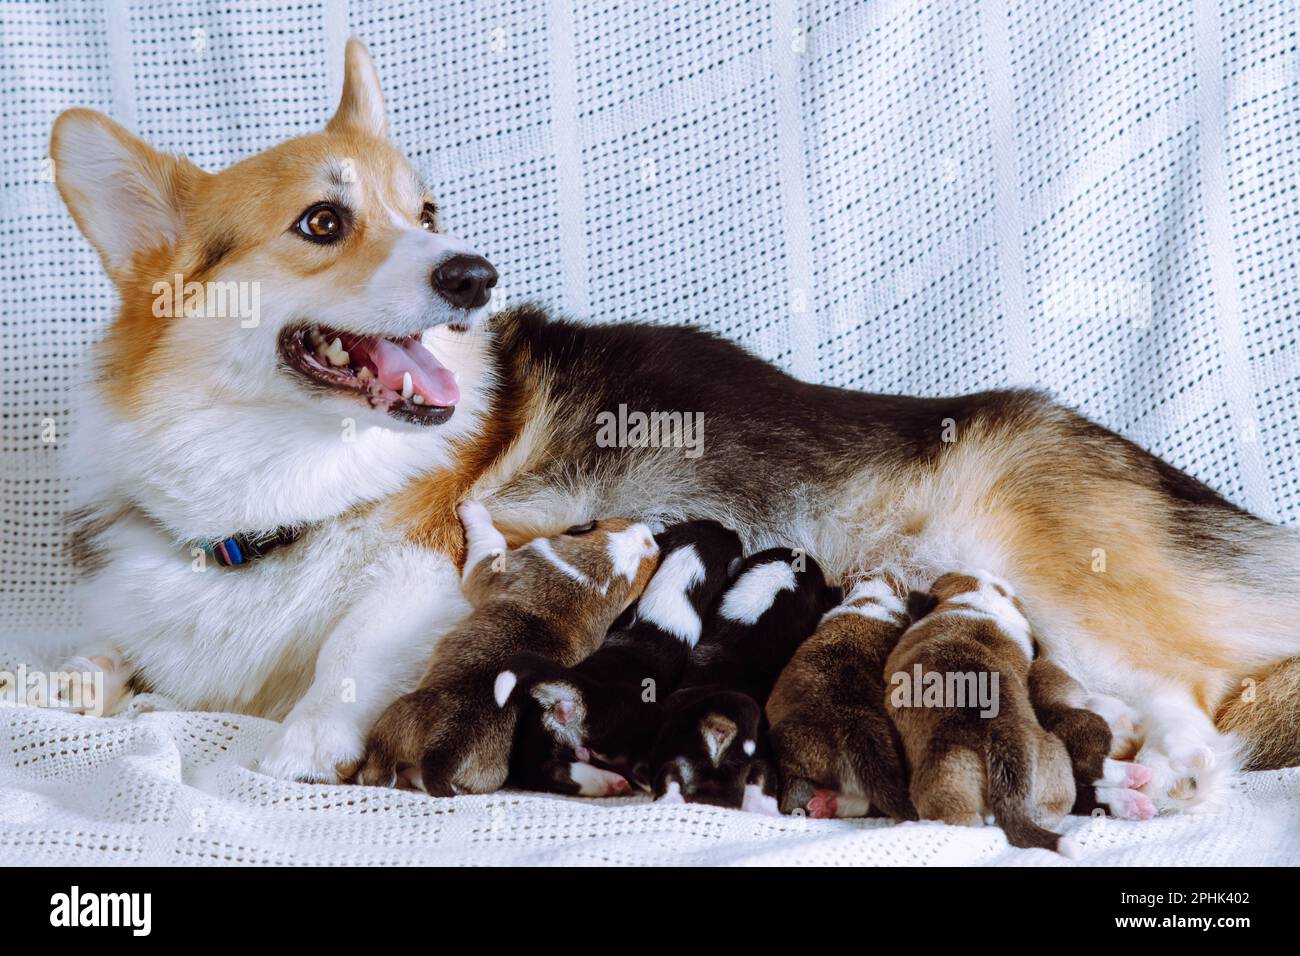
x: 126, y: 196
x: 362, y: 105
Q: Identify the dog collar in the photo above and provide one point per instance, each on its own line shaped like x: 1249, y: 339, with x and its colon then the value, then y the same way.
x: 249, y: 546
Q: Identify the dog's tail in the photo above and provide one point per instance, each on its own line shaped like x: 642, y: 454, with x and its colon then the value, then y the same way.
x: 1010, y: 782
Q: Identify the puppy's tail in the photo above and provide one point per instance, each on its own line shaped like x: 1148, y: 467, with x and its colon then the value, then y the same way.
x: 521, y: 673
x: 1011, y: 781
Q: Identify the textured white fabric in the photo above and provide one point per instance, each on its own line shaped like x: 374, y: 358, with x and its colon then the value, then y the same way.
x: 173, y: 788
x: 1097, y: 196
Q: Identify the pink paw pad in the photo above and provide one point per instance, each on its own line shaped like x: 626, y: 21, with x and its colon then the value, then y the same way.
x: 823, y: 805
x: 1128, y: 804
x: 615, y: 787
x: 1136, y: 776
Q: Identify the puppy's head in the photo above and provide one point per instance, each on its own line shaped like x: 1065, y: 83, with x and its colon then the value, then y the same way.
x: 982, y: 592
x: 311, y: 276
x: 709, y: 743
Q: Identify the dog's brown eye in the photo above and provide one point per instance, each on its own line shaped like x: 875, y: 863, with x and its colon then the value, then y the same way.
x: 429, y: 218
x: 321, y: 224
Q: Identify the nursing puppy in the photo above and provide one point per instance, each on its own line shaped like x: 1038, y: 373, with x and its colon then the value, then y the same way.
x: 965, y: 762
x: 711, y: 748
x: 554, y: 597
x: 835, y: 746
x: 585, y: 729
x: 1065, y: 710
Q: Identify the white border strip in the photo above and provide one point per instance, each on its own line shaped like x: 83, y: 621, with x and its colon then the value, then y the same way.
x: 1212, y: 161
x: 336, y: 44
x: 566, y: 148
x: 803, y: 325
x: 1009, y: 228
x: 117, y: 14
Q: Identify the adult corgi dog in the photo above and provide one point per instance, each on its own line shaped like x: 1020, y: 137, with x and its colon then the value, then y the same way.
x: 268, y: 524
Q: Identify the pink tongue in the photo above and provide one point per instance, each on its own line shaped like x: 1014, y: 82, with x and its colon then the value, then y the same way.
x: 429, y: 377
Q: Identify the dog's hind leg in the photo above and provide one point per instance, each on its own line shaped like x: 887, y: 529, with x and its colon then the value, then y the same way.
x: 1265, y: 718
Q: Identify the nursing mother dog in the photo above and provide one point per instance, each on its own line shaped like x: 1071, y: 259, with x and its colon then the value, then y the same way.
x: 319, y: 454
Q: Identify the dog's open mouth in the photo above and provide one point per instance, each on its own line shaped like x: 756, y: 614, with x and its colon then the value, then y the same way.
x: 397, y: 375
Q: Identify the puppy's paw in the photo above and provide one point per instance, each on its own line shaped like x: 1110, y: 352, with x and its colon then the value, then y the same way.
x: 673, y: 794
x: 1126, y: 804
x: 595, y: 782
x: 1123, y: 774
x: 313, y: 749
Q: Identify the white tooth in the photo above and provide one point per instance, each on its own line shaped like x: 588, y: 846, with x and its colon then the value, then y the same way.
x: 417, y: 399
x: 335, y: 354
x: 364, y: 374
x: 407, y: 387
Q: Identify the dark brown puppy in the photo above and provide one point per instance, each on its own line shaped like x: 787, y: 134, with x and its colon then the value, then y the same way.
x: 1062, y: 706
x: 988, y: 755
x: 835, y: 746
x: 555, y: 597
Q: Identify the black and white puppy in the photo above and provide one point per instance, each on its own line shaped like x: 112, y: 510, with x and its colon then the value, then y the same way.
x: 587, y: 729
x: 712, y: 747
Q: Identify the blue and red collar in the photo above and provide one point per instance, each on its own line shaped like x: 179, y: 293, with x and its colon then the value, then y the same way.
x: 248, y: 546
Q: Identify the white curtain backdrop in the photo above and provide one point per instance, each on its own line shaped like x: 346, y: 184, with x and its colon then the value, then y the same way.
x: 1099, y: 196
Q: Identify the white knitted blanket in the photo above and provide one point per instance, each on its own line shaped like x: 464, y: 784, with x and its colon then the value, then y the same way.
x: 166, y: 787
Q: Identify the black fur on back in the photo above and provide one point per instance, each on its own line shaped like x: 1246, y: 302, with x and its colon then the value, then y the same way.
x: 623, y: 711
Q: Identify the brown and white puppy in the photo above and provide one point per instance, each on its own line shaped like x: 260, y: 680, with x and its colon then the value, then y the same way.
x: 1064, y: 708
x: 835, y: 745
x: 555, y: 597
x: 972, y: 758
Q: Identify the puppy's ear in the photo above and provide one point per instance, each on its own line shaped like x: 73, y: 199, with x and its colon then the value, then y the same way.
x: 832, y: 596
x: 624, y: 620
x: 920, y: 603
x: 361, y: 107
x: 126, y: 197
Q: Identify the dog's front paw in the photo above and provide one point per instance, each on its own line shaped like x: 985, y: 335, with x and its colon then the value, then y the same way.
x: 313, y: 750
x: 1189, y: 776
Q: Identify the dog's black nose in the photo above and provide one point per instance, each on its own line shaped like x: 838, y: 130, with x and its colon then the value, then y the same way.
x: 465, y: 281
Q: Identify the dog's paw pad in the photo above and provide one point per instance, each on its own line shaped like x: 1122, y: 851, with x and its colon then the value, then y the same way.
x: 1126, y: 804
x: 1124, y: 774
